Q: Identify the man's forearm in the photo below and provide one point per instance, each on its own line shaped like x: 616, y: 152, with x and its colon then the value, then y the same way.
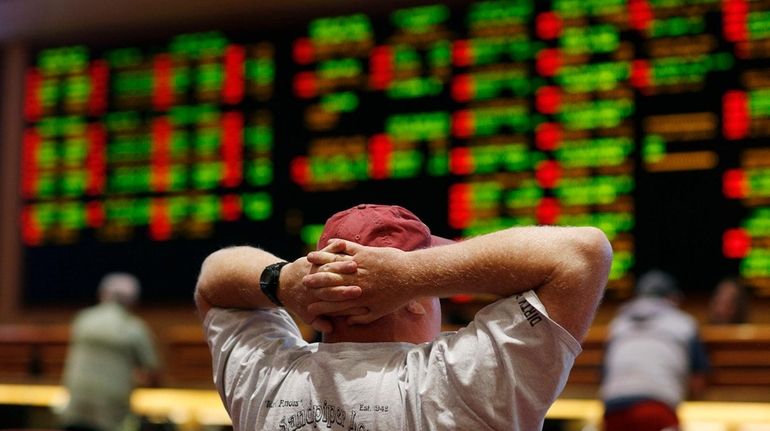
x: 567, y: 267
x: 511, y: 261
x: 229, y: 278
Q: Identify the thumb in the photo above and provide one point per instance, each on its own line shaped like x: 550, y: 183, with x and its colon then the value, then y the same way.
x: 321, y: 325
x: 361, y: 319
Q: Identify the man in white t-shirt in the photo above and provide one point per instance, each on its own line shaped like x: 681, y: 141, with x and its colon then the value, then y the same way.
x: 372, y: 288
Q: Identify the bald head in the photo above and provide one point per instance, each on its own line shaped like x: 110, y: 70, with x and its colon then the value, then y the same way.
x: 119, y: 287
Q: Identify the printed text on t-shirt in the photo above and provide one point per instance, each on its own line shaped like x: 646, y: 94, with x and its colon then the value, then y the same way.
x: 530, y: 313
x: 323, y: 415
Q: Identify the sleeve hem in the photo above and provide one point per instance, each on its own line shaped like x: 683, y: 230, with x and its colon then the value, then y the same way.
x: 571, y: 342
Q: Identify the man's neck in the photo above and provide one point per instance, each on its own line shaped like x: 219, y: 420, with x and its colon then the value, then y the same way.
x: 396, y: 327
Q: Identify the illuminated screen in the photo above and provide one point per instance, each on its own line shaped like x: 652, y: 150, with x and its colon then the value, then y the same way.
x: 645, y: 118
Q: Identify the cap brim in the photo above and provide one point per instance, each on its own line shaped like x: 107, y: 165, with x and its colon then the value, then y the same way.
x: 436, y: 241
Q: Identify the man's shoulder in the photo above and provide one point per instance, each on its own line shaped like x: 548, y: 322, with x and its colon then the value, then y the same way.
x: 221, y: 323
x: 687, y: 323
x: 219, y: 314
x: 88, y: 313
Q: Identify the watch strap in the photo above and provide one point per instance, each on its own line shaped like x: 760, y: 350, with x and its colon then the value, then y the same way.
x: 268, y: 281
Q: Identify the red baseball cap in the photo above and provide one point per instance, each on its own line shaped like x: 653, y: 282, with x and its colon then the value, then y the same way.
x: 380, y: 226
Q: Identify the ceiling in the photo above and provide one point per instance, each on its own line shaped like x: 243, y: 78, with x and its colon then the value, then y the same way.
x: 83, y: 21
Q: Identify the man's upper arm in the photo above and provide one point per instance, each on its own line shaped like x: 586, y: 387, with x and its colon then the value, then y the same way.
x: 572, y: 302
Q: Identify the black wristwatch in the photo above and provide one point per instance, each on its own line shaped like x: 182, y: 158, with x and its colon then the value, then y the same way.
x: 268, y: 281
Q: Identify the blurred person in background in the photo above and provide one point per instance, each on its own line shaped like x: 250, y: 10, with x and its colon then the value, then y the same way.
x: 654, y: 358
x: 729, y: 303
x: 110, y: 351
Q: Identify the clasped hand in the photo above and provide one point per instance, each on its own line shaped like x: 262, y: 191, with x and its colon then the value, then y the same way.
x: 349, y: 279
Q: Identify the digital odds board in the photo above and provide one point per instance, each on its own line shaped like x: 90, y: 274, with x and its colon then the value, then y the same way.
x: 649, y: 119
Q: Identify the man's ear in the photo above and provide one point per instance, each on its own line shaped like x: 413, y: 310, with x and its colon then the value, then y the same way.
x: 415, y: 307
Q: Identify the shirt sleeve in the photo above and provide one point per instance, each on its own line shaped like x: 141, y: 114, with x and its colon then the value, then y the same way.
x: 146, y: 354
x: 246, y: 345
x: 503, y: 370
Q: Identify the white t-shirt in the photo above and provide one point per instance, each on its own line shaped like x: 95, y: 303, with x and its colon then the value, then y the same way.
x: 501, y: 372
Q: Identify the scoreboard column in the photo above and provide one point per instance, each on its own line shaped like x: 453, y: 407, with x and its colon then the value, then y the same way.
x: 746, y: 126
x: 161, y: 143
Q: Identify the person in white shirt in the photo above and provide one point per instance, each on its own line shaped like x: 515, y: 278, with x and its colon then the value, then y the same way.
x: 372, y: 288
x: 653, y: 359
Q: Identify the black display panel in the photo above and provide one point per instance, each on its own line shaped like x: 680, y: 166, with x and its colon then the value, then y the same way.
x: 647, y: 119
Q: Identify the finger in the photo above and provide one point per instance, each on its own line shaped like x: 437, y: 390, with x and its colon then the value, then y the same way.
x: 323, y: 257
x: 346, y: 267
x: 322, y: 325
x: 343, y: 267
x: 361, y: 319
x: 343, y: 246
x: 355, y: 311
x: 351, y: 248
x: 327, y: 279
x: 334, y: 246
x: 326, y: 308
x: 337, y: 293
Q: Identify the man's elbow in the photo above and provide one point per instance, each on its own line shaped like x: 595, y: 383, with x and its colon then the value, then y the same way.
x: 587, y: 267
x: 597, y: 247
x: 214, y: 267
x: 204, y: 276
x: 593, y: 254
x: 206, y: 280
